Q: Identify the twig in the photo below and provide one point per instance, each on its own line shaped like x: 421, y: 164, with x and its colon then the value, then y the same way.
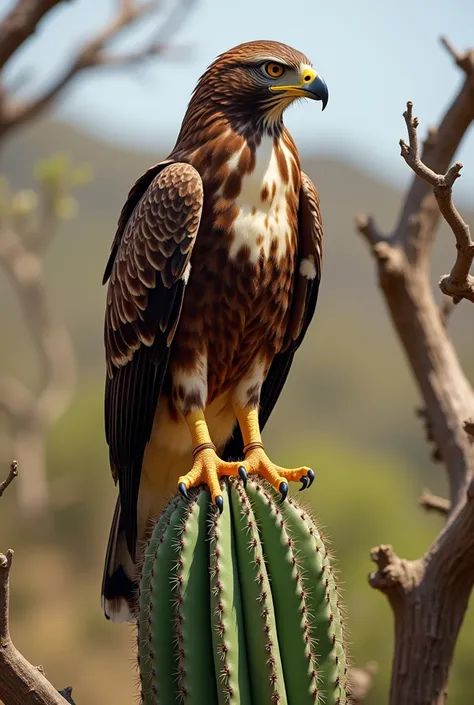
x: 465, y: 60
x: 20, y: 682
x: 458, y: 284
x: 31, y: 415
x: 20, y: 23
x: 432, y: 502
x: 10, y: 477
x: 446, y: 309
x: 94, y: 54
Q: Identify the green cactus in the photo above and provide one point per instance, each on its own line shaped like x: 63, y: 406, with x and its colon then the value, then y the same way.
x: 240, y: 608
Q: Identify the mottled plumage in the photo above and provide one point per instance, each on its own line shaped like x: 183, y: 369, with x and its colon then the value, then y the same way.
x: 213, y: 280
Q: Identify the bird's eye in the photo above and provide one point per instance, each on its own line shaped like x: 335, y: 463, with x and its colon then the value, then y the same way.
x: 274, y: 70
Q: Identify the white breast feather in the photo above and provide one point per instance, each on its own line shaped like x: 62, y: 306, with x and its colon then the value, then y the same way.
x: 248, y: 225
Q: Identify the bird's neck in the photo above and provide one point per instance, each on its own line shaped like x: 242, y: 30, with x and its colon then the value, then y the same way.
x: 206, y: 120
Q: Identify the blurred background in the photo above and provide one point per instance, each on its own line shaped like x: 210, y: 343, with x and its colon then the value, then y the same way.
x: 348, y: 409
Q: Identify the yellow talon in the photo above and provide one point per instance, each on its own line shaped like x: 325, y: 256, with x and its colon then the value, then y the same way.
x: 207, y: 467
x: 257, y: 461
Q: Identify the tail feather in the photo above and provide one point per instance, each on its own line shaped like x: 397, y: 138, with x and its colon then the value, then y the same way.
x: 163, y: 464
x: 118, y: 583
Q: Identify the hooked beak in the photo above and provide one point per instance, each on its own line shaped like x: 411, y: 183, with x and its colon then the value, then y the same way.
x: 311, y: 86
x: 317, y: 90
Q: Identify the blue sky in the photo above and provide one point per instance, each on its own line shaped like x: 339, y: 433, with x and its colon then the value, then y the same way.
x: 374, y: 56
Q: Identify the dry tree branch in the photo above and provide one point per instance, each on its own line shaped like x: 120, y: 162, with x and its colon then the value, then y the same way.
x: 21, y: 23
x: 429, y: 596
x: 446, y: 309
x: 94, y: 54
x: 31, y: 415
x: 13, y: 472
x: 431, y: 502
x: 20, y: 682
x: 458, y: 284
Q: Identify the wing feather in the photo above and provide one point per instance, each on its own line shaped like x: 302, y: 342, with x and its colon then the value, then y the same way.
x: 151, y: 250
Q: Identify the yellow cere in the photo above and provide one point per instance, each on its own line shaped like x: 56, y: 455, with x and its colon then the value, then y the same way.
x: 307, y: 75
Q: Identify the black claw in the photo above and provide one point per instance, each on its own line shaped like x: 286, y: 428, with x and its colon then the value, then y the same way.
x: 304, y: 481
x: 283, y: 490
x: 182, y: 489
x: 243, y: 475
x: 219, y: 502
x: 310, y: 474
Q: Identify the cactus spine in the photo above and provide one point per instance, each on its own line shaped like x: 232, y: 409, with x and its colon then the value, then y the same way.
x: 239, y: 608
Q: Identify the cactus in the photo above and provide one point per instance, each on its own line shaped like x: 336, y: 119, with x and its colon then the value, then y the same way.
x: 240, y: 608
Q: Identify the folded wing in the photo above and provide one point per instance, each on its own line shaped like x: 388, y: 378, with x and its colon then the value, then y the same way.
x: 148, y: 270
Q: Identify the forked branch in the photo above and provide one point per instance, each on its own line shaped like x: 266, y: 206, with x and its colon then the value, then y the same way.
x: 429, y: 596
x: 20, y: 23
x: 459, y: 284
x: 432, y: 502
x: 94, y: 53
x: 10, y: 477
x: 20, y: 682
x: 25, y: 230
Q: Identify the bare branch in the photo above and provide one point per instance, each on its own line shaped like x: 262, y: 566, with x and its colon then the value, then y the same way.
x: 402, y: 261
x: 464, y: 61
x: 429, y: 596
x: 431, y: 502
x: 367, y: 227
x: 31, y: 414
x: 420, y: 214
x: 10, y: 477
x: 20, y: 682
x: 25, y: 271
x: 458, y: 284
x: 446, y: 309
x: 21, y: 23
x: 94, y: 54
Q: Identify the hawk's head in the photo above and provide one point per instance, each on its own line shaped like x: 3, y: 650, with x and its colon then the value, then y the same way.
x: 256, y: 81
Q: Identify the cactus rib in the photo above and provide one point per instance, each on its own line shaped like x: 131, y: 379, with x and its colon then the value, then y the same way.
x: 257, y: 604
x: 146, y: 652
x: 162, y: 597
x: 196, y: 672
x: 226, y: 605
x: 322, y: 599
x: 289, y: 595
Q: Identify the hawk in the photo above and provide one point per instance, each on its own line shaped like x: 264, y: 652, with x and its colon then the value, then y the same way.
x: 213, y: 279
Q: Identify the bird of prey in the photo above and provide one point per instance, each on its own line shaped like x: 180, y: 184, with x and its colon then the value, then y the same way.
x: 213, y: 278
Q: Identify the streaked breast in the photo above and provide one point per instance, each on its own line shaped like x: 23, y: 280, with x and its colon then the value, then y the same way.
x: 265, y: 204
